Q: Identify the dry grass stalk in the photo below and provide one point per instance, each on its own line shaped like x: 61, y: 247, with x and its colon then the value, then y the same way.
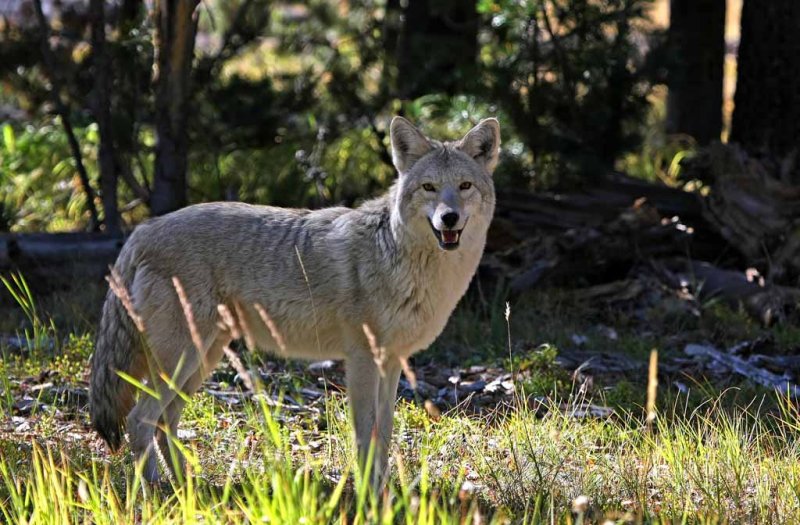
x: 248, y: 335
x: 378, y: 352
x: 433, y: 411
x: 228, y: 322
x: 652, y: 388
x: 239, y: 367
x: 273, y: 329
x: 118, y: 288
x: 409, y: 372
x: 189, y: 314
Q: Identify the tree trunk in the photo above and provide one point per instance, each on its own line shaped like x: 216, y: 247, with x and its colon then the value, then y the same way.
x: 766, y: 120
x: 102, y: 113
x: 176, y: 28
x: 697, y: 42
x: 129, y: 67
x: 437, y: 47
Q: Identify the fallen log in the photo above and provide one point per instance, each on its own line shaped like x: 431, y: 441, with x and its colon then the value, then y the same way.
x: 769, y: 303
x: 754, y: 204
x: 58, y: 258
x: 598, y: 204
x: 740, y: 366
x: 592, y: 254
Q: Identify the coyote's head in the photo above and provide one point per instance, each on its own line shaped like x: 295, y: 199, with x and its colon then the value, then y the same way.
x: 445, y: 189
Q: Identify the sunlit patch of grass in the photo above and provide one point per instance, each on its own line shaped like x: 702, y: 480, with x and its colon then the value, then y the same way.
x: 41, y: 333
x: 546, y: 457
x: 257, y: 462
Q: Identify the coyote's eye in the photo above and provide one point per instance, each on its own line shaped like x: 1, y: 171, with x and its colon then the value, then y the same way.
x: 465, y: 185
x: 428, y: 187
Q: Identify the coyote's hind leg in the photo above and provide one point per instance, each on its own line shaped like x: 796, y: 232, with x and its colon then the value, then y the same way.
x: 167, y: 432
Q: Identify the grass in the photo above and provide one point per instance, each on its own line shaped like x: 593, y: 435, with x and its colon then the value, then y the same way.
x: 709, y: 456
x: 706, y: 466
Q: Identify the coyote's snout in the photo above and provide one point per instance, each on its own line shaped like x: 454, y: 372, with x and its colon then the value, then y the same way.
x: 449, y: 217
x: 303, y: 283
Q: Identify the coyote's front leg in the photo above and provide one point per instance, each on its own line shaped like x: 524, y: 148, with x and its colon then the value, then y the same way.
x: 372, y: 392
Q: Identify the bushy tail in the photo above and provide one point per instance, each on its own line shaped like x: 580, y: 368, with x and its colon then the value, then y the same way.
x: 118, y: 348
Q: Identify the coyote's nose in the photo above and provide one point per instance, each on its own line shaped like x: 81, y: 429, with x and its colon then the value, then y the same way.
x: 450, y: 219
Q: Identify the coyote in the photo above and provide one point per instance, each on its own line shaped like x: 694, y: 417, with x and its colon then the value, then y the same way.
x: 326, y: 284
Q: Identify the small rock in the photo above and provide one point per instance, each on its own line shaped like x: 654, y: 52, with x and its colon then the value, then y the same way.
x: 579, y: 340
x: 492, y: 387
x: 25, y: 405
x: 609, y: 333
x: 580, y: 504
x: 185, y: 433
x: 311, y: 393
x: 321, y: 366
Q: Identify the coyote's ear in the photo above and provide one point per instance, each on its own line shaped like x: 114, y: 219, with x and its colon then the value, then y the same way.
x: 482, y: 143
x: 408, y: 144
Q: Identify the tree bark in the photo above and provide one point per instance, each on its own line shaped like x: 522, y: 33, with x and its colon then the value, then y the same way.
x: 697, y: 42
x: 129, y: 69
x: 102, y: 113
x: 176, y: 28
x: 766, y: 120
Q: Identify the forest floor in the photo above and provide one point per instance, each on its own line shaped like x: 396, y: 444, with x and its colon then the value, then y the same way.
x: 536, y: 416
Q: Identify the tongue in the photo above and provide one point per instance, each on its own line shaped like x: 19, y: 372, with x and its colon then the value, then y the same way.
x: 449, y: 237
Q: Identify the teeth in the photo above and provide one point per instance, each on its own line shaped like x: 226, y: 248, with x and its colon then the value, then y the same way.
x: 450, y: 236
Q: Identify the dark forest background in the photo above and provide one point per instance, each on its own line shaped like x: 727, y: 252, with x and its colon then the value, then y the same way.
x: 686, y: 112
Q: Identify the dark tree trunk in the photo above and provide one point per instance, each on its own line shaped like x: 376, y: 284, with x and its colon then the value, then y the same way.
x: 176, y: 28
x: 101, y: 69
x: 437, y: 47
x: 697, y: 42
x: 130, y: 67
x: 766, y: 120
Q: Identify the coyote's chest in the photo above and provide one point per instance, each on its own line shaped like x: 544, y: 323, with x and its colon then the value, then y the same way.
x: 424, y: 302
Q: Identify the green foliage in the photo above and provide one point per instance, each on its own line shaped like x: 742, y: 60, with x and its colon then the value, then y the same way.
x: 540, y: 374
x: 39, y: 185
x: 291, y: 102
x: 42, y: 334
x: 571, y: 76
x: 659, y: 156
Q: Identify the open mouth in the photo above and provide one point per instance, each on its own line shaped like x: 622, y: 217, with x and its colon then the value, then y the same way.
x: 448, y: 239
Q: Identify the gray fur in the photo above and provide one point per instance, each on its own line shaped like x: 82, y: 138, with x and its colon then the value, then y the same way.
x: 380, y: 264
